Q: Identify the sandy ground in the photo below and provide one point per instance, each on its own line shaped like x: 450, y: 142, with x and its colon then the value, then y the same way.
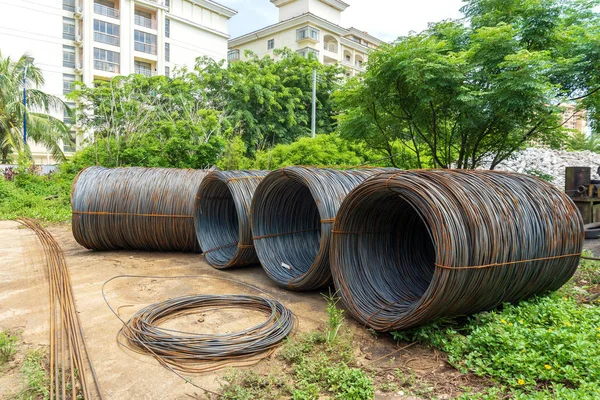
x: 122, y: 373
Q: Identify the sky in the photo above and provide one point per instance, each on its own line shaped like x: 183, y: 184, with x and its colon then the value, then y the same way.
x: 384, y: 19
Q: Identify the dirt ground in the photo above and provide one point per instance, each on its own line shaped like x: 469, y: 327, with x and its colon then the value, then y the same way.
x: 124, y: 374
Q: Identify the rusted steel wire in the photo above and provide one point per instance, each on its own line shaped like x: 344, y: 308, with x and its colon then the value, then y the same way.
x: 136, y: 208
x: 222, y: 215
x: 71, y: 369
x: 187, y: 352
x: 293, y: 212
x: 409, y: 247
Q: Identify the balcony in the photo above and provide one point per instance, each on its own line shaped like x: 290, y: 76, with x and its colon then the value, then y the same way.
x: 308, y: 33
x: 307, y: 51
x: 331, y: 47
x: 145, y: 47
x: 107, y: 66
x: 106, y: 11
x: 233, y: 55
x: 145, y: 22
x: 105, y: 38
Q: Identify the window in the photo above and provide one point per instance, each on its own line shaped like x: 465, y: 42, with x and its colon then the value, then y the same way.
x: 105, y: 32
x: 347, y: 57
x: 233, y: 55
x: 67, y: 115
x: 308, y: 52
x: 143, y: 68
x: 308, y: 32
x: 144, y: 42
x: 271, y: 44
x: 68, y: 56
x: 69, y: 5
x: 106, y: 8
x: 106, y: 60
x: 70, y: 147
x: 168, y: 4
x: 167, y: 27
x: 68, y: 28
x: 167, y: 52
x: 68, y: 80
x: 167, y: 72
x: 145, y: 19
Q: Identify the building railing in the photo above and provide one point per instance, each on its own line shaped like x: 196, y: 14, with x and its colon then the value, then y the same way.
x: 233, y: 55
x: 144, y: 71
x: 145, y: 47
x: 106, y: 11
x: 331, y: 47
x: 106, y: 38
x: 145, y: 22
x: 106, y: 66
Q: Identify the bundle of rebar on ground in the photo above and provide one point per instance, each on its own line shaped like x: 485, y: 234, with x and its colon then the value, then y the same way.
x: 412, y: 246
x: 136, y: 208
x: 221, y: 217
x: 195, y: 352
x: 292, y: 216
x: 71, y: 374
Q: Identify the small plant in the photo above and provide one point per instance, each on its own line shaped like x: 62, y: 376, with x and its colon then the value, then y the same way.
x: 540, y: 174
x: 36, y: 376
x: 388, y: 387
x: 8, y: 347
x: 336, y: 317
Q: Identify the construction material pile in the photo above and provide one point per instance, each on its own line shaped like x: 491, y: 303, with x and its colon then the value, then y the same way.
x: 405, y: 247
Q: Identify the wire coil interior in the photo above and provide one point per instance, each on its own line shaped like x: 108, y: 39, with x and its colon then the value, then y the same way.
x: 413, y: 246
x: 293, y: 211
x: 221, y: 217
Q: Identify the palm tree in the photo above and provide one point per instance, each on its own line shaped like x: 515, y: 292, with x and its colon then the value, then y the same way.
x: 41, y: 127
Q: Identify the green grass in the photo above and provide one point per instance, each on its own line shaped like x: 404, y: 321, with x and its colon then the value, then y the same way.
x: 544, y: 347
x: 39, y: 197
x: 8, y: 346
x: 318, y: 364
x: 36, y: 383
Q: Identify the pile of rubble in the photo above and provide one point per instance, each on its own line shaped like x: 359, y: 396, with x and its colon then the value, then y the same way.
x: 537, y: 161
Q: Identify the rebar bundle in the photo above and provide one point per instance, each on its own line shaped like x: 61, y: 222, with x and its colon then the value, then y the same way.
x: 293, y: 212
x: 222, y: 215
x: 202, y: 352
x: 71, y: 372
x: 409, y: 247
x: 136, y: 208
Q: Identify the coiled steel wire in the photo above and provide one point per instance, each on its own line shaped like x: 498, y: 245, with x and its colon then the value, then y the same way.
x: 136, y: 208
x: 409, y: 247
x: 293, y: 212
x: 201, y: 352
x: 222, y: 215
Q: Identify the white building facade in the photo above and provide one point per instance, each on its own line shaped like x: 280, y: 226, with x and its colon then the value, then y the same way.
x: 88, y: 40
x: 309, y: 26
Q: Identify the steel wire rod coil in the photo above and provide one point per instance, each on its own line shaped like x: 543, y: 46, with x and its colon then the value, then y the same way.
x: 409, y: 247
x: 222, y: 215
x: 200, y: 352
x: 292, y: 216
x: 136, y: 208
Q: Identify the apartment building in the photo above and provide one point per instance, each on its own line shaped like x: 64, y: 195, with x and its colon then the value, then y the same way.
x: 574, y: 119
x: 88, y: 40
x: 309, y: 27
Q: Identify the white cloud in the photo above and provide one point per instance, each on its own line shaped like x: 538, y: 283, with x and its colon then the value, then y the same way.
x: 385, y: 19
x: 388, y: 19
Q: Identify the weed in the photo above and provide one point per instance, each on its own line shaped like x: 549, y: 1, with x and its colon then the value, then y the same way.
x: 8, y: 346
x: 36, y: 377
x: 388, y: 387
x: 336, y: 317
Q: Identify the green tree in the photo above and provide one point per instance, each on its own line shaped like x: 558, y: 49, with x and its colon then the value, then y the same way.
x: 466, y: 92
x: 41, y: 127
x: 268, y: 102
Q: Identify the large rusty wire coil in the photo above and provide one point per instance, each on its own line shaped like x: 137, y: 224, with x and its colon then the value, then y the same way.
x: 293, y: 212
x: 222, y: 215
x: 136, y: 208
x: 409, y: 247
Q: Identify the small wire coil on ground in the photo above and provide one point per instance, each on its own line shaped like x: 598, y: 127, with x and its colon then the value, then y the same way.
x: 409, y: 247
x: 292, y: 216
x: 221, y: 217
x: 135, y: 208
x: 197, y: 353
